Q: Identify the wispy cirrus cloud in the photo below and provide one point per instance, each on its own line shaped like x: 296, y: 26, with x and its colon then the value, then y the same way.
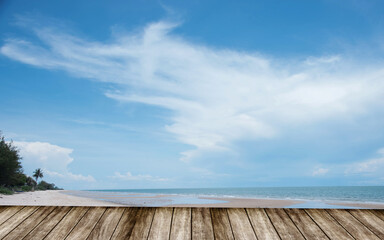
x: 217, y: 96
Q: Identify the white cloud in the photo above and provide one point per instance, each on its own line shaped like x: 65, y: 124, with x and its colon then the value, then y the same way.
x: 130, y: 177
x: 53, y: 159
x: 320, y: 172
x: 373, y: 166
x: 217, y: 96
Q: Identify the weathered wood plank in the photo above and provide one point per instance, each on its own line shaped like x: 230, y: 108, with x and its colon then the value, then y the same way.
x: 65, y: 226
x: 328, y: 224
x: 47, y: 224
x: 305, y: 224
x: 379, y: 213
x: 261, y: 224
x: 143, y: 223
x: 370, y: 220
x: 15, y: 220
x: 161, y: 224
x: 221, y: 226
x: 29, y: 223
x: 186, y: 223
x: 241, y: 226
x: 107, y: 224
x: 181, y: 224
x: 283, y: 224
x: 8, y: 212
x: 352, y: 225
x: 125, y: 226
x: 86, y: 224
x: 202, y: 224
x: 2, y: 208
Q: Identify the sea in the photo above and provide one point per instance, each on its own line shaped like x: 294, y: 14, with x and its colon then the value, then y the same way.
x: 313, y: 196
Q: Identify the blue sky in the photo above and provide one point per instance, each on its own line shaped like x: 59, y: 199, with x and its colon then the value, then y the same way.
x: 165, y: 94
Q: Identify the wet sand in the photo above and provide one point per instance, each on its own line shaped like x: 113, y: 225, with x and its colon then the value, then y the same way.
x: 359, y: 205
x: 244, y: 203
x: 88, y: 198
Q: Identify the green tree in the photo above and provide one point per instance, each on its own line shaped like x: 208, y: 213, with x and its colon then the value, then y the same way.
x: 10, y: 165
x: 38, y: 173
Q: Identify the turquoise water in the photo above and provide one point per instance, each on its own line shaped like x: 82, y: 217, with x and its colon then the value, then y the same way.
x: 348, y: 194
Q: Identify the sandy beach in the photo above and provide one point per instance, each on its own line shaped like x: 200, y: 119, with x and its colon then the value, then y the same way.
x: 50, y: 198
x: 85, y: 198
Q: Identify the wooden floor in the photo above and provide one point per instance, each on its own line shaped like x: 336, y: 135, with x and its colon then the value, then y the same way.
x: 188, y: 223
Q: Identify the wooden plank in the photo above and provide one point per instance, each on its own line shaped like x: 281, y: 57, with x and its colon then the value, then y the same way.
x: 107, y: 224
x: 65, y: 226
x: 181, y: 224
x: 15, y: 220
x: 352, y: 225
x: 8, y: 212
x: 202, y: 224
x: 29, y: 223
x: 126, y: 224
x: 86, y: 224
x: 143, y: 223
x: 283, y: 224
x: 305, y: 224
x: 2, y: 208
x: 379, y: 213
x: 261, y: 224
x: 48, y: 224
x: 241, y: 226
x: 370, y: 220
x: 221, y: 226
x: 328, y: 224
x: 161, y: 224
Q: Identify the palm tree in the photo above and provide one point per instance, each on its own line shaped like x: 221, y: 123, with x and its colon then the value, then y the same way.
x: 38, y: 173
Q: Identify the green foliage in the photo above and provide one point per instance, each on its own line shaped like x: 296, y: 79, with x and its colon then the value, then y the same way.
x: 38, y: 173
x: 19, y: 179
x: 12, y: 177
x: 30, y: 182
x: 43, y: 185
x: 6, y: 191
x: 26, y: 188
x: 10, y: 165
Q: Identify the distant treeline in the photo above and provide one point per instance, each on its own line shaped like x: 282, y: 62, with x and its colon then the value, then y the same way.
x: 12, y: 177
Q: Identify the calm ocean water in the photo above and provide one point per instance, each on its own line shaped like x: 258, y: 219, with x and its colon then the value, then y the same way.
x: 350, y: 194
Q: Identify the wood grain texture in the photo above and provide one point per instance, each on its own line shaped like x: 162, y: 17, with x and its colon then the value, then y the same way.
x: 221, y: 226
x: 370, y: 220
x: 352, y: 225
x: 47, y: 224
x: 86, y: 224
x: 305, y: 224
x: 261, y: 224
x: 29, y: 223
x: 161, y: 224
x: 283, y: 224
x: 241, y: 226
x: 65, y: 226
x: 181, y: 224
x: 186, y: 223
x: 379, y: 213
x: 143, y: 223
x: 107, y: 224
x: 15, y: 220
x: 202, y: 224
x: 8, y: 212
x: 328, y: 224
x: 126, y: 224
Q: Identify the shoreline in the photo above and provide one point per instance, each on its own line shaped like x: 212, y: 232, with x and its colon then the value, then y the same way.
x: 86, y: 198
